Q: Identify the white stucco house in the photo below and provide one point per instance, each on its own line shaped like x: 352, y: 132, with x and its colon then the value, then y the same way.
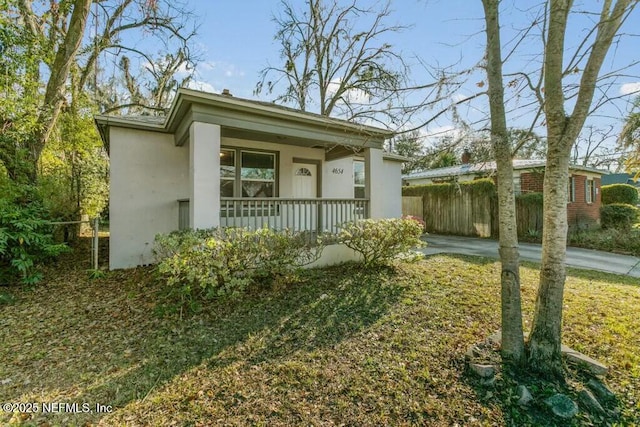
x: 218, y: 160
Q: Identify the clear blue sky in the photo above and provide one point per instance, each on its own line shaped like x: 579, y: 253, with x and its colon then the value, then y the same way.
x: 236, y: 40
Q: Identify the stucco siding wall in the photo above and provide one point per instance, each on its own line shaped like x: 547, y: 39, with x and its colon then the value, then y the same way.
x: 338, y: 179
x: 392, y: 191
x: 148, y: 175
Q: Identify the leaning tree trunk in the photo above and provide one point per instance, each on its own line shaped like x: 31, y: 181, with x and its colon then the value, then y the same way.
x: 54, y: 95
x: 546, y: 335
x: 512, y: 334
x: 562, y: 131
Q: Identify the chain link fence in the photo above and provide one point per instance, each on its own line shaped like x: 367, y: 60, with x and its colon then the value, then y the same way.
x: 93, y: 226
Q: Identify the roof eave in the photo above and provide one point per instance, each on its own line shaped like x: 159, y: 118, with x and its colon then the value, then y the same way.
x: 189, y: 95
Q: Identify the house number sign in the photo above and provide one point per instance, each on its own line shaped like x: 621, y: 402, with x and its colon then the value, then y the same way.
x: 338, y: 171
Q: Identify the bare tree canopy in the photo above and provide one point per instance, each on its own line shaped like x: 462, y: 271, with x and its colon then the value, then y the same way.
x: 335, y: 60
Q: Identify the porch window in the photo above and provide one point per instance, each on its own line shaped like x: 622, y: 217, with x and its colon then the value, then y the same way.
x: 358, y: 179
x: 245, y: 173
x: 590, y: 191
x: 227, y: 172
x: 258, y: 174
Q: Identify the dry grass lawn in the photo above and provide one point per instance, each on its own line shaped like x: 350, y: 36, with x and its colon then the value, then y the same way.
x: 340, y: 347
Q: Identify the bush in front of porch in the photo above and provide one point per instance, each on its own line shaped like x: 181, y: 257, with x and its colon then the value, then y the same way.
x: 380, y: 241
x: 222, y: 262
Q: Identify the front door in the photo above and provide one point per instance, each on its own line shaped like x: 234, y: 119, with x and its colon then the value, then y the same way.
x: 305, y: 186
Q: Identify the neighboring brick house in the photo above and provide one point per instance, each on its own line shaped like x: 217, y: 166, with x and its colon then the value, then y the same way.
x: 528, y: 176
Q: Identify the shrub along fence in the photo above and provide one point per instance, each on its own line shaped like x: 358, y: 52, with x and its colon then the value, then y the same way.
x: 471, y: 209
x: 619, y: 193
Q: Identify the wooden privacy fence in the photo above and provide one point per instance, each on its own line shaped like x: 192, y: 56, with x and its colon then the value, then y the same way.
x: 528, y: 215
x: 464, y: 211
x: 412, y: 205
x: 460, y: 213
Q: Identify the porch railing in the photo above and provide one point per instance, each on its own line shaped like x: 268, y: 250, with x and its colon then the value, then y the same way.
x: 315, y: 215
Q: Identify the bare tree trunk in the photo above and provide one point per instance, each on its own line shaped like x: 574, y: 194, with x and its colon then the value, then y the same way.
x: 562, y: 132
x: 546, y: 335
x: 512, y: 334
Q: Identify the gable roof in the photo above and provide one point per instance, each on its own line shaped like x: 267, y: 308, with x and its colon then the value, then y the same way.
x: 485, y: 167
x: 238, y: 115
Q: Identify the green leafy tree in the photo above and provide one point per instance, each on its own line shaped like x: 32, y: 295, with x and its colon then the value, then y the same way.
x: 25, y: 235
x: 54, y: 37
x: 630, y: 139
x: 410, y: 146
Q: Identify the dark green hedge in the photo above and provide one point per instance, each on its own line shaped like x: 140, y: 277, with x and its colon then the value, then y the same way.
x: 619, y: 216
x: 619, y: 193
x: 530, y: 199
x: 479, y: 186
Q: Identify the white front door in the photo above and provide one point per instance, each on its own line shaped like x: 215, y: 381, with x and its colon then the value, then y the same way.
x: 304, y: 181
x: 304, y: 186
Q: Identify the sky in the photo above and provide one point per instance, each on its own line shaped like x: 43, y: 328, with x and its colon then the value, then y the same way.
x: 236, y: 40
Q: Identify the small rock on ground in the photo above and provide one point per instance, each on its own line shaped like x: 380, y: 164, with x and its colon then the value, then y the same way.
x: 601, y: 391
x: 483, y: 371
x: 562, y: 406
x: 592, y: 365
x: 590, y: 403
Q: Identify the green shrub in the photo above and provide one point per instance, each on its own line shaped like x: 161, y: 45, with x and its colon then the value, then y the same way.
x: 530, y: 199
x: 26, y: 239
x: 380, y: 241
x: 610, y: 240
x: 477, y: 187
x: 618, y: 216
x: 619, y: 193
x: 419, y: 220
x: 224, y: 262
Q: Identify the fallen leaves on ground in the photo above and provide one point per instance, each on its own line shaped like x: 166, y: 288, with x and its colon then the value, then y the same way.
x: 341, y: 346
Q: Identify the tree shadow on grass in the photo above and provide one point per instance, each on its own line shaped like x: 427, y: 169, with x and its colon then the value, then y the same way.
x: 122, y: 351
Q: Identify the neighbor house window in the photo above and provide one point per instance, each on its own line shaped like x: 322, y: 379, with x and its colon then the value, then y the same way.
x: 245, y: 173
x: 572, y: 189
x: 358, y: 179
x: 590, y: 191
x: 517, y: 186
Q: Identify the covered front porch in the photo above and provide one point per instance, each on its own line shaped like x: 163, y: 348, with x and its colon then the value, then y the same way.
x: 281, y: 169
x: 221, y: 161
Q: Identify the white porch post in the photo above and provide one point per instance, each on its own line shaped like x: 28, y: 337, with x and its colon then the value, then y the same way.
x: 374, y: 182
x: 204, y: 175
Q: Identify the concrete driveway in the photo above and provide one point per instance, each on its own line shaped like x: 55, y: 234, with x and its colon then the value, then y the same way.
x: 579, y: 258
